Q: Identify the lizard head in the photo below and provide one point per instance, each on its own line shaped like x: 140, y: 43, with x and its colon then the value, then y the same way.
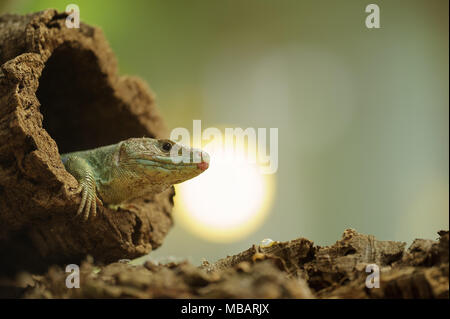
x: 161, y: 161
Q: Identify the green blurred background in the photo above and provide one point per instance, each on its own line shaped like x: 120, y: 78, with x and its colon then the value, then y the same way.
x: 362, y: 114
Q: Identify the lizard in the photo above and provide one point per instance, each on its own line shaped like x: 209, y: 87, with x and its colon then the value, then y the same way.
x: 113, y: 175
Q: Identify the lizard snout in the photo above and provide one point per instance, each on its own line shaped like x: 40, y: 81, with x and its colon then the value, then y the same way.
x: 204, y: 164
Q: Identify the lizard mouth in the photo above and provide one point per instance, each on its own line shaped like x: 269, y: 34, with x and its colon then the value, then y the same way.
x: 171, y: 164
x: 174, y: 163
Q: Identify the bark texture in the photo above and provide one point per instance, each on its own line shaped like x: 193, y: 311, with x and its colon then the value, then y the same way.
x: 294, y: 269
x: 60, y: 92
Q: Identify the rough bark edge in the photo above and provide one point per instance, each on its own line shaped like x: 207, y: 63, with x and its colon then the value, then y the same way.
x: 294, y: 269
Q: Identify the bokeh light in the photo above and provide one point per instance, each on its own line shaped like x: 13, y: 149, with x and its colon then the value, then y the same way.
x: 228, y: 201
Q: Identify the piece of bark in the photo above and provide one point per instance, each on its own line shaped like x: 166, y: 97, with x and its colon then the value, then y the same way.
x: 347, y: 258
x: 294, y: 269
x: 182, y: 280
x: 321, y: 266
x: 420, y: 272
x: 289, y: 256
x: 60, y: 92
x: 339, y: 271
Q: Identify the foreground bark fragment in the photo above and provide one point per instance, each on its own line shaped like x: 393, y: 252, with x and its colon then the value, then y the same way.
x: 294, y: 269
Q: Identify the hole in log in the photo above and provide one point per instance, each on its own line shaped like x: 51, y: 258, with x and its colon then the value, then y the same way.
x: 82, y: 104
x: 78, y: 104
x: 350, y: 251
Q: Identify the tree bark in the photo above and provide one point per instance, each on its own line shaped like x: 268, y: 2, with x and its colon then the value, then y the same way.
x: 60, y: 92
x: 293, y: 269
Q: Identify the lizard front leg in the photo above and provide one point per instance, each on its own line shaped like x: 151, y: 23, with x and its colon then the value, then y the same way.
x: 83, y: 173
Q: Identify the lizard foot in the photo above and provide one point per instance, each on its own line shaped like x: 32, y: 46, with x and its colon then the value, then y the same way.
x: 89, y: 201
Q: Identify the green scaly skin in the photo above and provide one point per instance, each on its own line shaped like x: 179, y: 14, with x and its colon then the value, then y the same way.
x: 118, y: 173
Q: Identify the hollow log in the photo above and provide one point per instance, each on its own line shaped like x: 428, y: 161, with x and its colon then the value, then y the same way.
x: 60, y: 92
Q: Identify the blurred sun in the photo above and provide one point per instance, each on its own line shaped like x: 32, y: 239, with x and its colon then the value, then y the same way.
x: 228, y: 201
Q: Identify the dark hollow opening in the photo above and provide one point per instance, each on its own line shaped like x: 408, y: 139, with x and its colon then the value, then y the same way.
x: 78, y: 104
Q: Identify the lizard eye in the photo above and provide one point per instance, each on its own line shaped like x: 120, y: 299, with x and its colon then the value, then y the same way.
x: 166, y: 146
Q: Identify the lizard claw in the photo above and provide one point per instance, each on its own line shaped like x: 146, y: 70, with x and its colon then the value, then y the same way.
x: 84, y: 194
x: 99, y: 201
x: 89, y: 200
